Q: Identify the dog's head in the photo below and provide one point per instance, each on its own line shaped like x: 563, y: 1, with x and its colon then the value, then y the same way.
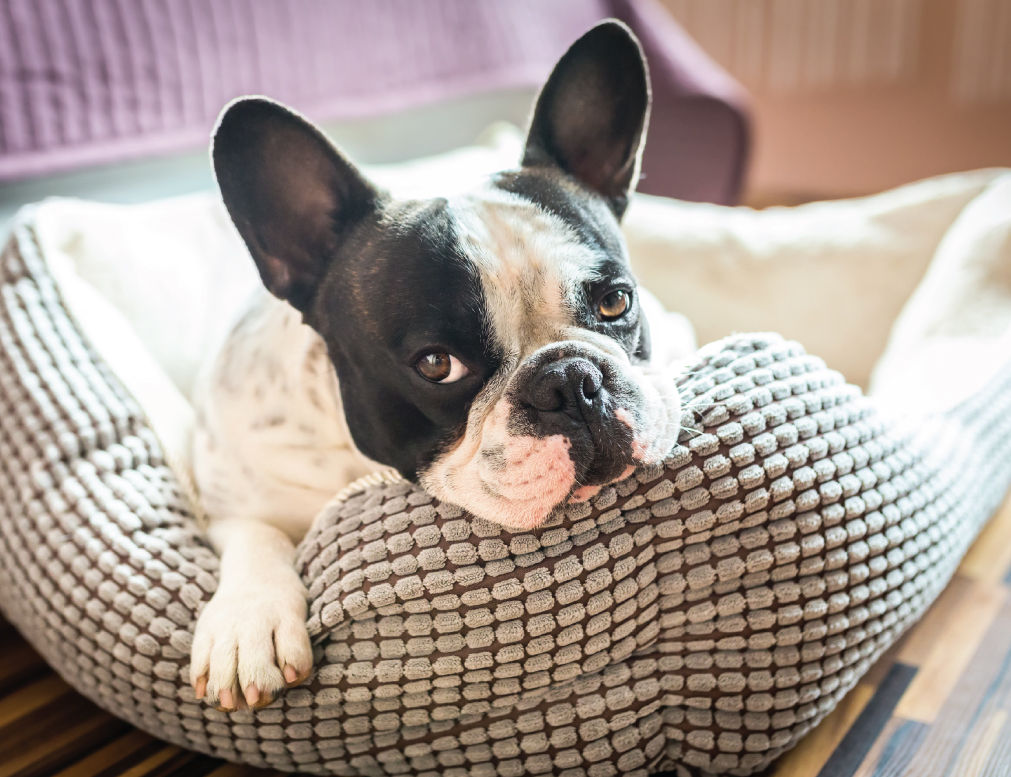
x: 491, y: 346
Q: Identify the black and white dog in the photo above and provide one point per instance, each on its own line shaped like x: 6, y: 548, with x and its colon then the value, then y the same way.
x: 492, y: 347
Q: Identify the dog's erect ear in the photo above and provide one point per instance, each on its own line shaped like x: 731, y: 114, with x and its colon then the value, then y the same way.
x: 591, y: 115
x: 290, y: 193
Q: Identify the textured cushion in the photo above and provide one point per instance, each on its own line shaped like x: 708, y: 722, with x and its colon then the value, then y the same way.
x: 703, y: 614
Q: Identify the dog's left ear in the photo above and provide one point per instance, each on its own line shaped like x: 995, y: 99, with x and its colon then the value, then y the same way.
x: 590, y: 118
x: 293, y: 197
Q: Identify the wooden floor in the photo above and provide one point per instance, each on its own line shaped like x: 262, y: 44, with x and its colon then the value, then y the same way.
x: 938, y: 705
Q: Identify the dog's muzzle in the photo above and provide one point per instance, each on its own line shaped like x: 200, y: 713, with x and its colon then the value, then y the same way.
x: 575, y: 395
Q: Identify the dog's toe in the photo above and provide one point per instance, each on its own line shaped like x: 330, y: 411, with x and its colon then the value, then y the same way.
x: 292, y: 650
x: 226, y: 699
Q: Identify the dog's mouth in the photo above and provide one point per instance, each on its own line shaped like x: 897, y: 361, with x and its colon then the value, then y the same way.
x: 610, y: 456
x: 518, y: 480
x: 603, y: 452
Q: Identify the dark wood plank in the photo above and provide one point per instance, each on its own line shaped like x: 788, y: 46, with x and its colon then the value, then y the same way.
x: 19, y: 663
x: 114, y: 756
x: 67, y: 739
x: 850, y: 753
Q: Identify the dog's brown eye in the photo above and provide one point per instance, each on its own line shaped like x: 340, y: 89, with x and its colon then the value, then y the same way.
x: 441, y: 367
x: 614, y: 304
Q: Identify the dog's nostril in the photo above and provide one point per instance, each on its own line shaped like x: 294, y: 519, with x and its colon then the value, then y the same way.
x: 546, y: 396
x: 591, y: 384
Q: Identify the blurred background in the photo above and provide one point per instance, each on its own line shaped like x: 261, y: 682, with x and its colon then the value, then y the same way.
x: 854, y: 96
x: 755, y: 101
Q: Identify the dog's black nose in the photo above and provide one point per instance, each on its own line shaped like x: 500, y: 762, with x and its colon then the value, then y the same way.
x: 569, y: 384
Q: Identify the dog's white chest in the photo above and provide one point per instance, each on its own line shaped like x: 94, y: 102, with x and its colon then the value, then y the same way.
x: 271, y: 441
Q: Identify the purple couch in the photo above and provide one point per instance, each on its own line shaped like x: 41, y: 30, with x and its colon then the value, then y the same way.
x: 85, y: 82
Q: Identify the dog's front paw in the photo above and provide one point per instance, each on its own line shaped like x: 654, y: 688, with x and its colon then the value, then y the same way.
x: 251, y: 642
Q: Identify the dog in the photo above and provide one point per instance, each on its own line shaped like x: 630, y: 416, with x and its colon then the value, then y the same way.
x: 493, y: 346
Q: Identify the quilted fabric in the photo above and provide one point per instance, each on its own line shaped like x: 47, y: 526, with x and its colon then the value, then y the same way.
x: 700, y: 616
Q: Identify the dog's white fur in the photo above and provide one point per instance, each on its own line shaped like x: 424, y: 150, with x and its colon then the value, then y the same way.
x: 272, y: 446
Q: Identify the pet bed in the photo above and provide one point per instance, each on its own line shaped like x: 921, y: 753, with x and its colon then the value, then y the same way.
x: 700, y: 616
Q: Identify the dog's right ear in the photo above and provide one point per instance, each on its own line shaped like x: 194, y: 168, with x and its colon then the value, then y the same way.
x: 591, y: 116
x: 290, y: 193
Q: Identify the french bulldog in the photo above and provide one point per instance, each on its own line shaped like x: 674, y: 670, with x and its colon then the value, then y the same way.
x: 493, y: 346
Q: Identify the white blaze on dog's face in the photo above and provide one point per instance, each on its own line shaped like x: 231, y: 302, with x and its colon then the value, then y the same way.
x: 491, y: 346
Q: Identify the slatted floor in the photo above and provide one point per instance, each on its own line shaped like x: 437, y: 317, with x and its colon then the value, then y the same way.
x: 938, y: 705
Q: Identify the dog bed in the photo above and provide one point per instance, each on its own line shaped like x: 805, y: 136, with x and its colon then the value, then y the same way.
x: 700, y: 616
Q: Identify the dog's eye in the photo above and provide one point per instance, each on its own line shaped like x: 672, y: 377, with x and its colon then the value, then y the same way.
x: 614, y: 305
x: 441, y: 367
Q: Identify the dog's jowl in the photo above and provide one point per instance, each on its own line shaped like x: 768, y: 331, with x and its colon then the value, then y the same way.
x: 493, y: 347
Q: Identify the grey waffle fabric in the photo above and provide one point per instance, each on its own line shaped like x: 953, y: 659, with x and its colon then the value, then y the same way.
x: 701, y: 615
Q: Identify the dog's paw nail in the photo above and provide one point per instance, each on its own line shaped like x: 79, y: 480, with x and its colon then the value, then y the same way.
x: 252, y: 695
x: 265, y: 699
x: 200, y: 687
x: 290, y: 675
x: 226, y: 699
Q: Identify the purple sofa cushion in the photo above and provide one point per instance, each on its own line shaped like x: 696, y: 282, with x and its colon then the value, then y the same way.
x: 84, y: 83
